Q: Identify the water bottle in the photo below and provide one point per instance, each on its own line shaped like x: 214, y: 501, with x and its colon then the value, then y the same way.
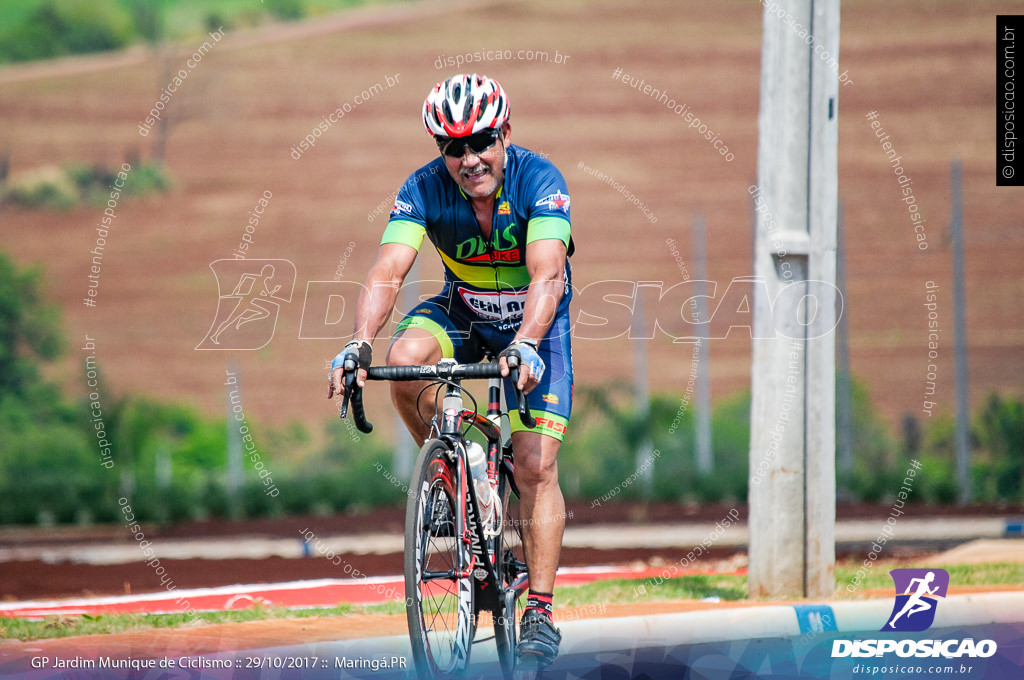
x: 484, y: 491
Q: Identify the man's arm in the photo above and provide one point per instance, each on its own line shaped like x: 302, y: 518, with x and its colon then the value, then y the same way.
x: 379, y: 294
x: 378, y: 297
x: 545, y: 261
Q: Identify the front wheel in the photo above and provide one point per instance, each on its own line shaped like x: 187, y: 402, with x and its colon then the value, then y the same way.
x: 511, y: 569
x: 439, y: 599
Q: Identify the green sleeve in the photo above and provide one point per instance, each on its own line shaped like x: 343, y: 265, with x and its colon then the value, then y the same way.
x: 404, y: 231
x: 548, y: 227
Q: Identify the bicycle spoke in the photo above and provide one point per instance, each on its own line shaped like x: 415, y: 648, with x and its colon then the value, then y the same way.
x: 439, y: 624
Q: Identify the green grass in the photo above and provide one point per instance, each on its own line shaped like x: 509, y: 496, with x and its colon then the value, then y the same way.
x: 622, y: 591
x: 188, y: 18
x: 728, y: 587
x: 44, y: 29
x: 75, y: 184
x: 959, y: 575
x: 734, y: 587
x: 14, y: 12
x: 103, y: 624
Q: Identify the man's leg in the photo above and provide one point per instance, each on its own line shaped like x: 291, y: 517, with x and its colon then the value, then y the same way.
x: 543, y: 521
x: 541, y: 505
x: 410, y: 347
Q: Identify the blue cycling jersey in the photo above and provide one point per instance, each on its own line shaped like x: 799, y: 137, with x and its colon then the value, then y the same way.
x: 481, y: 305
x: 488, y: 276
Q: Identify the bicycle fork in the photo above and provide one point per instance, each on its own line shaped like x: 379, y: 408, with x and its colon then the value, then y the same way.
x: 475, y: 558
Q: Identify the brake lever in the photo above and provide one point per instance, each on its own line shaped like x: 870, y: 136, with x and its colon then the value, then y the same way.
x: 349, y: 378
x: 521, y: 404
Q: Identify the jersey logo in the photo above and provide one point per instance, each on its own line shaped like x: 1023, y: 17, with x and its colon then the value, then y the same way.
x: 550, y: 398
x: 504, y: 208
x: 510, y: 256
x: 474, y: 249
x: 555, y: 201
x: 401, y: 207
x: 548, y: 424
x: 494, y: 306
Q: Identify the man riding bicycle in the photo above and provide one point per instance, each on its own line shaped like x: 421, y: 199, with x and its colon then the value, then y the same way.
x: 498, y: 215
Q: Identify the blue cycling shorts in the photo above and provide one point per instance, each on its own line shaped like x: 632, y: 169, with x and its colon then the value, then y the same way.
x: 463, y: 336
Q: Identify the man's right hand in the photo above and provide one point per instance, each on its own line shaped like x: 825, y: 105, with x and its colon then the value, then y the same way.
x: 358, y: 354
x: 531, y: 366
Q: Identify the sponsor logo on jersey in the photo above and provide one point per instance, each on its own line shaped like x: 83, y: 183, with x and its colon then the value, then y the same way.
x: 555, y: 201
x: 504, y: 208
x: 548, y: 424
x: 401, y: 207
x: 550, y: 398
x: 475, y: 249
x: 510, y: 256
x: 494, y: 305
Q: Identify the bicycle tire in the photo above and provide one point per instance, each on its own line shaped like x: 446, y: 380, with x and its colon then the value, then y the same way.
x: 439, y: 609
x: 511, y: 563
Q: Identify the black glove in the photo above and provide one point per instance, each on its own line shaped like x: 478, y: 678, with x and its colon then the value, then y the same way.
x: 526, y: 350
x: 359, y: 352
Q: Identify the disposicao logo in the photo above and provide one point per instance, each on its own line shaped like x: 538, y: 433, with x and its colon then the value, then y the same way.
x: 246, y: 317
x: 917, y: 593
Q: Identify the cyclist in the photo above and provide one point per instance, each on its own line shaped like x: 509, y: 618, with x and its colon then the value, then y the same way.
x: 498, y: 215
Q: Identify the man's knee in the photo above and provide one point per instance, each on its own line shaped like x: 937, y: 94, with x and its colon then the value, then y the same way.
x: 536, y: 458
x: 412, y: 347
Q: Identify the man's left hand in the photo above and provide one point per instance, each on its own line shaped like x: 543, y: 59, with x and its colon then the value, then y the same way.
x: 531, y: 366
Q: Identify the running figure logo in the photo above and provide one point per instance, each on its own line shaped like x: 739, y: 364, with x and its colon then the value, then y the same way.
x: 247, y: 316
x: 914, y: 609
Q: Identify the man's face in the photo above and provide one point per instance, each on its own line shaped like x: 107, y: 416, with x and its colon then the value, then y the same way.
x: 481, y: 174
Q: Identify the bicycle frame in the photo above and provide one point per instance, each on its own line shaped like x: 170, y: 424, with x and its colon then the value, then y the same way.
x: 484, y: 563
x: 453, y: 417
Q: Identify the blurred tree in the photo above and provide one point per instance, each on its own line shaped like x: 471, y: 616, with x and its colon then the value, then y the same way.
x: 911, y: 433
x: 148, y: 16
x: 30, y: 329
x: 60, y: 27
x: 286, y: 10
x: 1000, y: 430
x: 41, y: 440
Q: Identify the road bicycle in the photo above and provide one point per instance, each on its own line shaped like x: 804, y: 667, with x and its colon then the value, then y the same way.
x: 458, y: 562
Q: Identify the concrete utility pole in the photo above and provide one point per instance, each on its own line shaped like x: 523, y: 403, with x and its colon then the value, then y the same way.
x: 643, y: 456
x: 236, y: 464
x: 963, y: 412
x: 844, y: 389
x: 792, y: 437
x: 702, y: 412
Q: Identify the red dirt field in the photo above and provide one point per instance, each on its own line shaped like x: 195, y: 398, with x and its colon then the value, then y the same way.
x: 927, y: 68
x: 24, y: 580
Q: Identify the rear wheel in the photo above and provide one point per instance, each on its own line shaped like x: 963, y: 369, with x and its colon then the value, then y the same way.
x: 511, y: 571
x: 439, y: 602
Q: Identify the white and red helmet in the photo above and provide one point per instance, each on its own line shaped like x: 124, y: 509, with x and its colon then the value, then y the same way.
x: 464, y: 105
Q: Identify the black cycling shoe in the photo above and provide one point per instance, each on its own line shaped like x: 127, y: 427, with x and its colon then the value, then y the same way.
x: 538, y: 641
x: 442, y: 523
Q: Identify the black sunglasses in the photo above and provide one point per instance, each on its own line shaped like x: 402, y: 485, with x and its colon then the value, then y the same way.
x: 455, y: 147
